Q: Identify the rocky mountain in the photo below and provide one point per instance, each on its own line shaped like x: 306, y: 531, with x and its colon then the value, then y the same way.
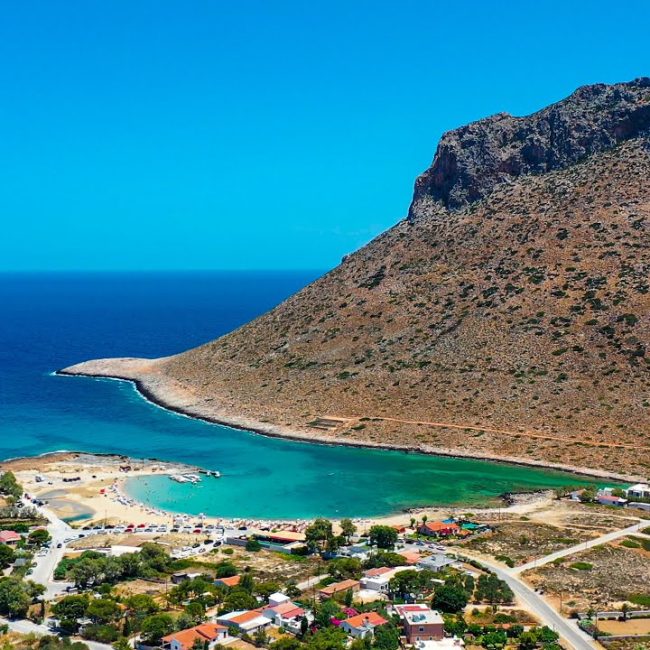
x: 508, y: 316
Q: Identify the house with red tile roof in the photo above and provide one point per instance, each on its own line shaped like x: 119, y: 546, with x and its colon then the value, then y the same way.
x: 439, y: 528
x: 362, y: 625
x: 9, y: 537
x: 231, y: 581
x: 249, y: 621
x: 338, y: 588
x: 287, y: 615
x: 210, y: 633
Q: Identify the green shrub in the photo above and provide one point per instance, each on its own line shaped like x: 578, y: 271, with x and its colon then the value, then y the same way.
x: 582, y: 566
x: 628, y: 543
x: 640, y: 599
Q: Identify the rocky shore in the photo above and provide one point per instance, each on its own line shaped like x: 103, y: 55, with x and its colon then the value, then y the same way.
x: 166, y: 393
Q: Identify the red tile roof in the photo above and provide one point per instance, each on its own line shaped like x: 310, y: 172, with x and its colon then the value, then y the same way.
x: 369, y: 619
x: 205, y: 632
x: 232, y: 581
x: 336, y: 587
x: 9, y: 536
x: 371, y: 573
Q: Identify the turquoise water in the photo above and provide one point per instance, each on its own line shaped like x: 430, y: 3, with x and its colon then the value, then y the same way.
x: 51, y: 321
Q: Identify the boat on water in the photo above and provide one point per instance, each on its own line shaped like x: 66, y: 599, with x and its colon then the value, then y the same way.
x: 185, y: 478
x: 211, y: 472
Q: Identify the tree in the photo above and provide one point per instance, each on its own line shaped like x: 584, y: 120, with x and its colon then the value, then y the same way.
x: 195, y: 612
x: 247, y: 583
x: 527, y: 641
x: 345, y: 567
x: 386, y: 638
x: 546, y: 635
x: 155, y: 557
x: 624, y: 610
x: 260, y: 638
x: 318, y: 533
x: 286, y: 643
x: 347, y: 529
x: 450, y: 598
x: 10, y: 487
x: 495, y: 639
x: 70, y: 609
x: 103, y: 611
x: 326, y: 612
x: 121, y: 644
x: 7, y: 556
x: 329, y: 638
x: 55, y: 643
x: 86, y: 572
x: 493, y: 590
x: 238, y: 599
x: 383, y: 536
x: 141, y: 605
x: 155, y: 627
x: 15, y: 597
x: 413, y: 522
x: 265, y: 589
x: 253, y: 545
x: 405, y: 582
x: 39, y: 537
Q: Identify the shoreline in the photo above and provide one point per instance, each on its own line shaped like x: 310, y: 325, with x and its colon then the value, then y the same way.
x: 275, y: 431
x: 99, y: 494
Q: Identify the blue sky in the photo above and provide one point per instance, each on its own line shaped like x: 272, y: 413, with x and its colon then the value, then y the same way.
x: 229, y: 135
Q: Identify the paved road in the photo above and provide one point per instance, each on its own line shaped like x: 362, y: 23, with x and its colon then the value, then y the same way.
x: 603, y: 539
x: 536, y: 604
x: 310, y: 582
x: 45, y: 565
x: 567, y: 629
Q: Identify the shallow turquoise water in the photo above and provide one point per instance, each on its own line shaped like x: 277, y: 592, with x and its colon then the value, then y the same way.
x: 51, y: 321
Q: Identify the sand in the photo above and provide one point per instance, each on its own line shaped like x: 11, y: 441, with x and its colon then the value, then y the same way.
x: 99, y: 496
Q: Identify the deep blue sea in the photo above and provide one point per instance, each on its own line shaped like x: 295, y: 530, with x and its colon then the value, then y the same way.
x: 49, y: 321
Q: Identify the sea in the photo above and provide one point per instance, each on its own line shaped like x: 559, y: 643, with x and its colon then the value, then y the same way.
x: 52, y: 320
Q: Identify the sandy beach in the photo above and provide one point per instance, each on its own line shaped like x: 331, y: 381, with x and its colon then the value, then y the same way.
x: 97, y: 495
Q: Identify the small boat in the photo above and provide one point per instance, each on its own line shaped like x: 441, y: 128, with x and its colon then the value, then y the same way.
x: 179, y: 478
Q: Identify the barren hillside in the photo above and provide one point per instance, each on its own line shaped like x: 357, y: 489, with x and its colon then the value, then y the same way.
x: 508, y: 316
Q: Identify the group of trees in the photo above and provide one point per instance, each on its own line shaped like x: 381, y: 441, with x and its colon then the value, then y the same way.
x: 493, y: 636
x: 92, y: 568
x: 16, y: 596
x: 457, y: 591
x: 320, y: 536
x: 10, y: 489
x: 492, y: 590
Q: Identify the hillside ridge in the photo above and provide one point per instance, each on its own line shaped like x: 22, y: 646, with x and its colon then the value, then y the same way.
x: 515, y: 325
x: 474, y: 159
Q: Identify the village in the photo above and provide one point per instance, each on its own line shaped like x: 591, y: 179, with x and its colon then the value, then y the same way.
x: 470, y: 580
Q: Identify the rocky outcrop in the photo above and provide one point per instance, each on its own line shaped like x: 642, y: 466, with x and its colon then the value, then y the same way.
x: 474, y: 159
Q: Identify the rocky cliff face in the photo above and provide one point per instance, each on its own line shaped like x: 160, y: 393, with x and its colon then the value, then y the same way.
x: 472, y: 161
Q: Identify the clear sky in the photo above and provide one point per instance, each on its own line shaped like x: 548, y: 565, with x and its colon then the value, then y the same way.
x: 270, y: 134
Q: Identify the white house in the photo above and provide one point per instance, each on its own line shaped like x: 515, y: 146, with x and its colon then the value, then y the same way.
x: 245, y: 620
x: 638, y: 491
x: 277, y: 599
x: 436, y: 562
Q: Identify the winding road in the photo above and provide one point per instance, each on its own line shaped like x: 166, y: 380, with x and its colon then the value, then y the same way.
x: 537, y: 604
